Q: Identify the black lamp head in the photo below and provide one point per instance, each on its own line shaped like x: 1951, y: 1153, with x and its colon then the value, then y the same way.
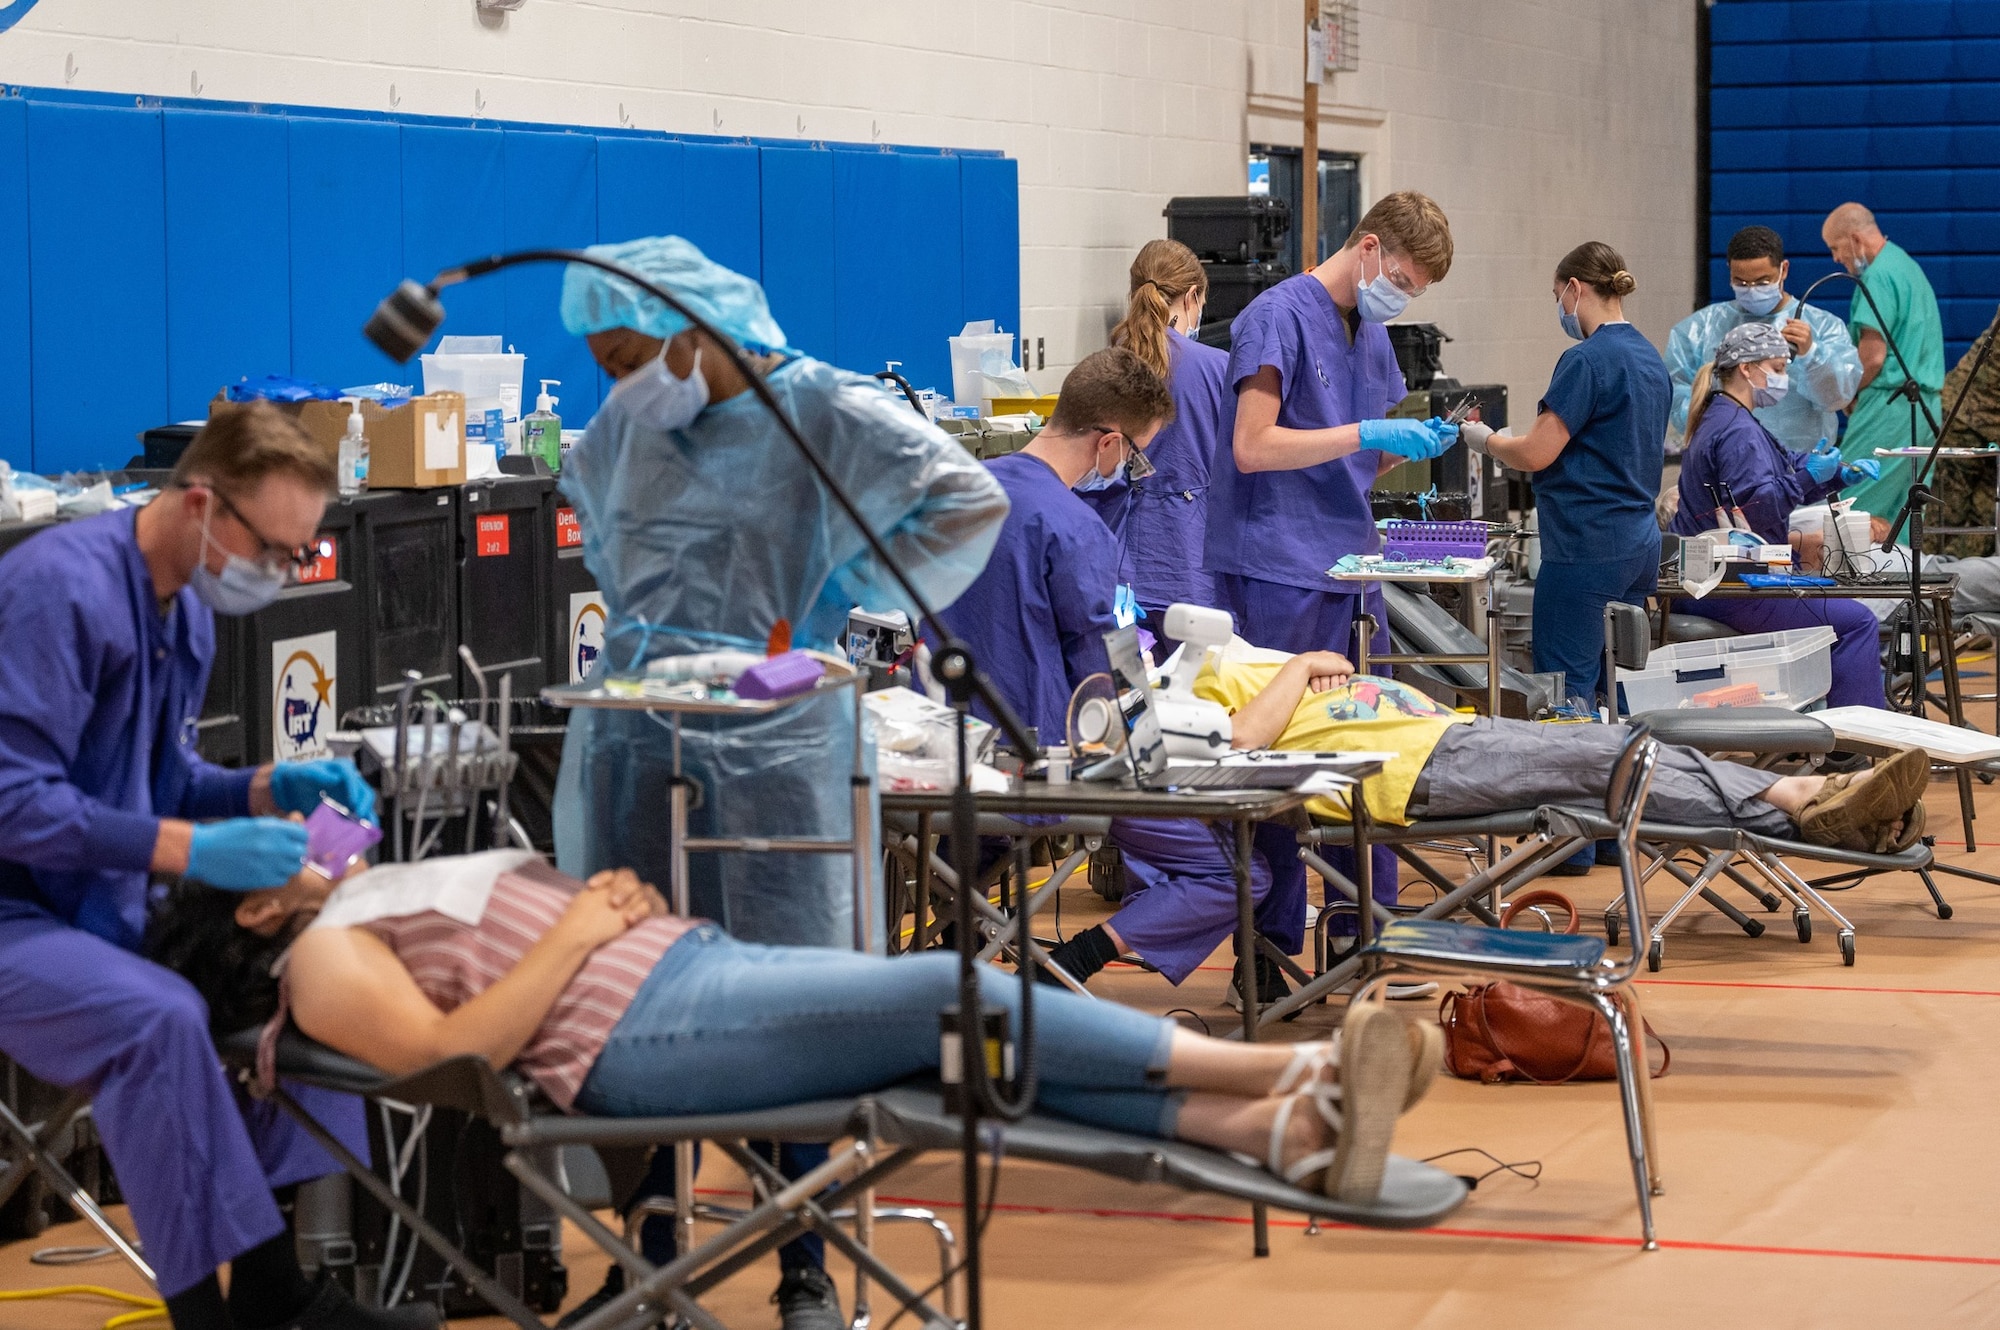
x: 405, y: 320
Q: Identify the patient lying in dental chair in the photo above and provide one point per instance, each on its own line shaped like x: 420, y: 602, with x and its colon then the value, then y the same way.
x: 1446, y: 765
x: 616, y: 1008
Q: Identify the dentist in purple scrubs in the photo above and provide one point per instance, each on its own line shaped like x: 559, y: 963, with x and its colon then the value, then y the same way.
x: 1314, y: 374
x: 107, y: 634
x: 1161, y: 518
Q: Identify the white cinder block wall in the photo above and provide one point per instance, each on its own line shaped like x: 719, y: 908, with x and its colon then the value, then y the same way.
x: 1536, y: 123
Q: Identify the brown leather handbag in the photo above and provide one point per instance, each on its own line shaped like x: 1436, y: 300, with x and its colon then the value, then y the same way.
x: 1503, y: 1032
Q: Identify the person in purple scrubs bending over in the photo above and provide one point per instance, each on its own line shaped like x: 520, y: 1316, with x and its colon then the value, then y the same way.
x: 1314, y: 374
x: 1161, y: 519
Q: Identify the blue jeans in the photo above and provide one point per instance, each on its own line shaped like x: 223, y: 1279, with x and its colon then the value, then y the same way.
x: 722, y: 1026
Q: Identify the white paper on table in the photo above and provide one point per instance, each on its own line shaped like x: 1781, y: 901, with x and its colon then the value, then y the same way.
x: 456, y: 886
x: 1948, y: 743
x: 441, y: 441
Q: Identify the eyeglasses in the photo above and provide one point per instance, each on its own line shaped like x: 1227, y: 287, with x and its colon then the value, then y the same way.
x: 1136, y: 465
x: 274, y: 556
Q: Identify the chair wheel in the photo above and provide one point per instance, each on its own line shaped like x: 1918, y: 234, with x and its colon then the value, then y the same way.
x: 1847, y: 948
x: 1655, y: 954
x: 1611, y: 930
x: 1803, y: 922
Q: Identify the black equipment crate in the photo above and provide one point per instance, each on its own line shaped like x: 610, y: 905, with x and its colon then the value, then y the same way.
x: 1419, y: 348
x: 503, y: 587
x: 409, y: 555
x: 289, y: 670
x: 575, y: 615
x: 1492, y: 489
x: 1232, y: 286
x: 1229, y: 228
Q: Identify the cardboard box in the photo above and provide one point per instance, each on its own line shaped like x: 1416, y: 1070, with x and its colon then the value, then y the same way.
x: 418, y: 445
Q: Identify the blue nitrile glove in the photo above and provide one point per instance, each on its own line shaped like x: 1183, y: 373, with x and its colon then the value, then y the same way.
x: 297, y: 786
x: 1823, y: 462
x: 1856, y: 472
x: 246, y: 853
x: 1416, y: 440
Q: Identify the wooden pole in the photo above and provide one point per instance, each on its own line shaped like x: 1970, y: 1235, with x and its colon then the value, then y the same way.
x: 1308, y: 219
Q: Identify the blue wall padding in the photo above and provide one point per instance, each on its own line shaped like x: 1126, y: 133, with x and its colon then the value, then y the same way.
x: 1892, y: 103
x: 151, y: 254
x: 16, y: 383
x: 454, y: 195
x: 97, y: 261
x: 229, y: 280
x: 796, y: 208
x: 721, y: 213
x: 347, y: 246
x: 990, y: 196
x: 551, y: 190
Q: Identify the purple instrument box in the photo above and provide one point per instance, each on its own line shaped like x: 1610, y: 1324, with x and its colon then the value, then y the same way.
x: 1434, y: 540
x: 335, y: 838
x: 779, y: 676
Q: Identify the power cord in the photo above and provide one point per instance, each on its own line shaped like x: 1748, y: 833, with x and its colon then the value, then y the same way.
x: 1194, y: 1016
x: 149, y: 1309
x: 1530, y: 1169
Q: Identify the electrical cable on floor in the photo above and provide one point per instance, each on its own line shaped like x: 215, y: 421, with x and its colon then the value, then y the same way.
x: 70, y: 1255
x: 149, y: 1309
x: 1193, y: 1015
x: 1472, y: 1180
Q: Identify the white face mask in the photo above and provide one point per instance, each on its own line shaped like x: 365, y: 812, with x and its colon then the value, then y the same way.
x: 659, y: 398
x: 244, y: 586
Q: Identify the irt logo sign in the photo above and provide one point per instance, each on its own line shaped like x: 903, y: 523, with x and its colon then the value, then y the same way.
x: 304, y: 703
x: 586, y: 634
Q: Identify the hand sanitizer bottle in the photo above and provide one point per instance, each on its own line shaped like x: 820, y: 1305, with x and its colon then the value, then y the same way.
x: 353, y: 461
x: 541, y: 432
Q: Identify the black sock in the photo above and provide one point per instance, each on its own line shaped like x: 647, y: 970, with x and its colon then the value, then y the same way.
x: 200, y: 1308
x: 266, y: 1285
x: 1086, y: 953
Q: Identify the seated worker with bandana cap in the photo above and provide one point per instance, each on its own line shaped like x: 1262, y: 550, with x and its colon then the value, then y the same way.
x: 1826, y: 370
x: 1728, y: 444
x: 107, y: 635
x: 705, y: 529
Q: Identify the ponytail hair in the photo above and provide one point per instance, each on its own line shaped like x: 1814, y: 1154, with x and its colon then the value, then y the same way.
x: 1702, y: 393
x: 1164, y: 271
x: 1599, y: 267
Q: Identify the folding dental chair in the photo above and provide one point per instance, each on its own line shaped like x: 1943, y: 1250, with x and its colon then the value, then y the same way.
x: 27, y: 1149
x: 1005, y: 927
x: 886, y: 1132
x: 1571, y: 968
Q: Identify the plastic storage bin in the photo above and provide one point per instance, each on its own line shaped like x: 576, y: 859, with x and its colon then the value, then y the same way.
x: 1790, y: 669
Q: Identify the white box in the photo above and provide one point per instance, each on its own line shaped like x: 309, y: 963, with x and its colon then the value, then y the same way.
x: 1791, y: 669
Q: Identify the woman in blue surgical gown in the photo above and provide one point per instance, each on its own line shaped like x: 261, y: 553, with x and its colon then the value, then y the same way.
x: 705, y: 529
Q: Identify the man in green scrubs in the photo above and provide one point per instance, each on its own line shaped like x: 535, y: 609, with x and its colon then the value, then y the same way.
x: 1880, y: 416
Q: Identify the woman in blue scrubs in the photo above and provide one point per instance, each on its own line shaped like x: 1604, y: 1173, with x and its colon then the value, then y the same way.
x: 1727, y: 444
x: 1161, y: 519
x: 1596, y: 451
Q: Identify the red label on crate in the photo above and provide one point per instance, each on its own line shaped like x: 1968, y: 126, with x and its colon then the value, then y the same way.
x: 569, y: 535
x: 492, y: 535
x: 325, y: 565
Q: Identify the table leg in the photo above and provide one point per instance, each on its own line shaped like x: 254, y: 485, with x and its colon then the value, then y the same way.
x: 1954, y: 701
x: 1246, y: 986
x: 924, y: 844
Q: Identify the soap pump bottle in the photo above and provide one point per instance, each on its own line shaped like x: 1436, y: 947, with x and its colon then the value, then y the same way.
x: 353, y: 460
x: 541, y: 432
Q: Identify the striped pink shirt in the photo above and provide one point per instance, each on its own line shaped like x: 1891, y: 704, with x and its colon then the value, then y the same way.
x: 454, y: 963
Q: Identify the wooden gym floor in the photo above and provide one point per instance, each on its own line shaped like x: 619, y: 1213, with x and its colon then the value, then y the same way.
x: 1828, y: 1139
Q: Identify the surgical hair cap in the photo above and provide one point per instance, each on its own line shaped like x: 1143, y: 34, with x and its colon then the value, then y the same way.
x: 1747, y: 343
x: 594, y: 301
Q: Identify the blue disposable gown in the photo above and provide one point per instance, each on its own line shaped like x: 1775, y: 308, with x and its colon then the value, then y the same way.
x: 1824, y: 380
x: 708, y: 536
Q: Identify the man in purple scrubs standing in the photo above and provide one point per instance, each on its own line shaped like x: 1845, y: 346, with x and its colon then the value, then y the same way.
x: 1314, y: 375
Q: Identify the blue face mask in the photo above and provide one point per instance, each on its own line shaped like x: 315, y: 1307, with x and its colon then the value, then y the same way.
x: 1860, y: 264
x: 1761, y: 299
x: 1772, y: 391
x: 1381, y: 300
x: 655, y: 396
x: 1093, y: 481
x: 244, y: 586
x: 1569, y: 318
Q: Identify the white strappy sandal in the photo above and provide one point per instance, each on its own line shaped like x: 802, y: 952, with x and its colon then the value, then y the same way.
x: 1382, y: 1069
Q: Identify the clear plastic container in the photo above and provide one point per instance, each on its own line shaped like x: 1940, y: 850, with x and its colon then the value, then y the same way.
x: 1791, y: 669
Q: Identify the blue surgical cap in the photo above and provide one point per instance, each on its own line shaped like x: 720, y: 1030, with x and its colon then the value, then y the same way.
x: 594, y: 301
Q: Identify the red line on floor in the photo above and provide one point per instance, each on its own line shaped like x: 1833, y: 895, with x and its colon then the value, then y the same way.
x: 1483, y: 1234
x: 1823, y: 988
